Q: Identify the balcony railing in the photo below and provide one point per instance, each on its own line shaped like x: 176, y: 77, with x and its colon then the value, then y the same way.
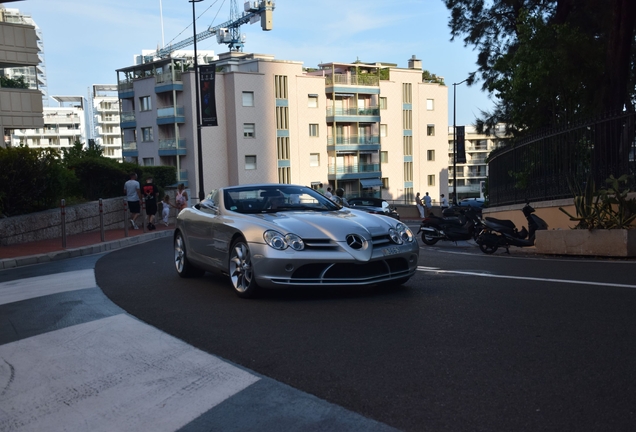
x: 172, y: 144
x: 356, y: 80
x: 166, y: 78
x: 130, y: 146
x: 353, y: 140
x: 124, y: 86
x: 353, y: 168
x: 172, y: 111
x: 371, y: 111
x: 128, y: 116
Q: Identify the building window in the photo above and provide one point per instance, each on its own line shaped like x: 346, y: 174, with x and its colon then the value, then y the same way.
x: 384, y: 131
x: 250, y: 162
x: 408, y: 171
x: 282, y: 145
x: 431, y: 180
x: 280, y: 86
x: 249, y: 130
x: 430, y: 104
x: 146, y: 134
x: 313, y: 101
x: 313, y: 130
x: 144, y: 103
x: 385, y: 182
x: 314, y: 159
x: 384, y: 157
x: 407, y: 145
x: 248, y: 99
x: 430, y: 130
x: 430, y: 155
x: 149, y: 161
x: 382, y: 103
x: 407, y: 93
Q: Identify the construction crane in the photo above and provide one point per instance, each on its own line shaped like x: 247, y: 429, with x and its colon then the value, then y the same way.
x: 228, y: 32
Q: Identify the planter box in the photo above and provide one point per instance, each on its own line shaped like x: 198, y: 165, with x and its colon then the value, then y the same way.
x: 616, y: 243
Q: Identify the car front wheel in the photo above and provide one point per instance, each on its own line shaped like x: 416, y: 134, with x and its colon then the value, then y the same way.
x: 184, y: 268
x: 241, y: 271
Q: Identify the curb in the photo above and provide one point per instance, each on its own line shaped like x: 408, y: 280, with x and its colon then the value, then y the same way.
x: 10, y: 263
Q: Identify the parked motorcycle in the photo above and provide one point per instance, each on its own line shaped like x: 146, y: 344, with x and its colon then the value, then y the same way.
x: 503, y: 233
x: 465, y: 226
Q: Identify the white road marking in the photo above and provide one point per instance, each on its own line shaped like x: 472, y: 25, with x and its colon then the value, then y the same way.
x: 24, y: 289
x: 112, y: 374
x: 567, y: 281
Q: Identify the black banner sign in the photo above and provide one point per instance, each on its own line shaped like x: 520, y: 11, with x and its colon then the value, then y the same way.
x: 461, y: 144
x: 207, y: 75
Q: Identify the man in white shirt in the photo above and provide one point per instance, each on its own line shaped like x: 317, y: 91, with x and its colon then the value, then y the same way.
x: 133, y: 196
x: 429, y: 204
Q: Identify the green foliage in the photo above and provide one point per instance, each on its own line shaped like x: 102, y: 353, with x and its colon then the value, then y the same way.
x: 431, y: 78
x: 607, y: 208
x: 30, y: 180
x: 13, y: 82
x: 162, y: 175
x: 99, y: 177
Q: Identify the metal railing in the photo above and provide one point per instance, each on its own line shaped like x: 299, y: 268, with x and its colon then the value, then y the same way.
x: 128, y: 116
x: 172, y: 144
x: 542, y: 167
x: 170, y: 111
x: 371, y: 111
x: 353, y: 139
x: 353, y: 168
x: 360, y: 80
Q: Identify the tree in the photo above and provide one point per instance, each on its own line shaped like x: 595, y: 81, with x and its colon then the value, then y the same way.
x: 549, y: 62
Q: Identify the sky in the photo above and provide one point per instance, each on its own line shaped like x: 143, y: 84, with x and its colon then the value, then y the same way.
x: 85, y: 41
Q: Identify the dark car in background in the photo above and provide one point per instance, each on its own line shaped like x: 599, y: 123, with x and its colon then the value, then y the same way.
x: 375, y: 206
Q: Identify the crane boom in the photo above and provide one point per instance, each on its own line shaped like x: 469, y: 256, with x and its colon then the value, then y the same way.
x: 260, y: 10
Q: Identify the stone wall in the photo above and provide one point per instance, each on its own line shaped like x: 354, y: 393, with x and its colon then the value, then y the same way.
x: 79, y: 218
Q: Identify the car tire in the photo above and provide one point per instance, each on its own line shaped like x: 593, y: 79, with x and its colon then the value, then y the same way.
x: 184, y: 267
x: 241, y: 271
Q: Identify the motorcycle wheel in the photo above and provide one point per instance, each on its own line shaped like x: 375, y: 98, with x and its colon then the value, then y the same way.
x: 488, y: 249
x: 428, y: 239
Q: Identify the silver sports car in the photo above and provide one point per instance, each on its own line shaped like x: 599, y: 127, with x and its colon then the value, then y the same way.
x: 280, y: 235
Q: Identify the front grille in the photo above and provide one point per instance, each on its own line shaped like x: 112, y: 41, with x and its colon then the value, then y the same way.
x: 336, y: 273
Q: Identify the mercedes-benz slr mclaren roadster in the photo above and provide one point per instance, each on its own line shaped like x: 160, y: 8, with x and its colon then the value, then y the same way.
x: 279, y: 235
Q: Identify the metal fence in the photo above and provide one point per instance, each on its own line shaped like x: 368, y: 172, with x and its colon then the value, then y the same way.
x: 543, y: 167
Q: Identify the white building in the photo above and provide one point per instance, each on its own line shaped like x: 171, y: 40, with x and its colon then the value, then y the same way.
x: 474, y: 172
x: 105, y: 119
x: 63, y: 126
x: 34, y: 75
x: 373, y: 129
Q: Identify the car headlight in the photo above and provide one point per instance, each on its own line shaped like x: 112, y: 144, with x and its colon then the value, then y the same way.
x: 401, y: 234
x: 282, y: 242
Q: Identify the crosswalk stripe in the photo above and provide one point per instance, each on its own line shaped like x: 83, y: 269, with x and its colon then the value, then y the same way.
x: 24, y: 289
x: 116, y: 373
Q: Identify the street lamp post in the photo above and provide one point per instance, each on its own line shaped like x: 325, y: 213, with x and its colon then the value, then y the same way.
x: 197, y: 103
x: 455, y: 140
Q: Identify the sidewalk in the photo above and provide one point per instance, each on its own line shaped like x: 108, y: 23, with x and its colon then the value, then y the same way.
x: 76, y: 245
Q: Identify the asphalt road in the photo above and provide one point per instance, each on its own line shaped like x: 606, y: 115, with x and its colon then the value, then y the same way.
x: 472, y: 342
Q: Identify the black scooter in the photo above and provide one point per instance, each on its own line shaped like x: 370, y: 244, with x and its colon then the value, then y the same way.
x: 453, y: 228
x: 503, y: 233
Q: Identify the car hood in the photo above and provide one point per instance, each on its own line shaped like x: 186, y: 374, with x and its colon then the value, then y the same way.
x: 335, y: 225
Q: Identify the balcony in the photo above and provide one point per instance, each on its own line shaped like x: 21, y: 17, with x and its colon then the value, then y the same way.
x: 108, y: 120
x: 353, y: 80
x: 130, y: 149
x: 172, y: 147
x: 167, y: 82
x: 353, y: 171
x: 125, y: 89
x: 128, y: 120
x: 353, y: 142
x: 170, y: 115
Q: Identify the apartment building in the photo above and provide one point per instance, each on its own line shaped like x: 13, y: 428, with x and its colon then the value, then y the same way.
x: 34, y: 75
x: 104, y: 120
x: 472, y: 174
x: 19, y: 107
x: 372, y: 129
x: 63, y: 126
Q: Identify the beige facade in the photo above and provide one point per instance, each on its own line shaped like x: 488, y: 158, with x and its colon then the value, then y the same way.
x: 105, y: 119
x: 372, y: 129
x: 19, y: 107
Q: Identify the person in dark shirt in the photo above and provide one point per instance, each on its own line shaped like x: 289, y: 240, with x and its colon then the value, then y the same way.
x: 150, y: 193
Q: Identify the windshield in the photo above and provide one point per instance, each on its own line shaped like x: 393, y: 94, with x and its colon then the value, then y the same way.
x: 275, y: 198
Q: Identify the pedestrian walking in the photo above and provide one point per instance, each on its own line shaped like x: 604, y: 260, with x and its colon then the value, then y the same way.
x: 133, y: 197
x: 420, y: 205
x: 150, y: 194
x: 328, y: 194
x: 165, y: 210
x: 182, y: 197
x: 443, y: 203
x: 428, y: 203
